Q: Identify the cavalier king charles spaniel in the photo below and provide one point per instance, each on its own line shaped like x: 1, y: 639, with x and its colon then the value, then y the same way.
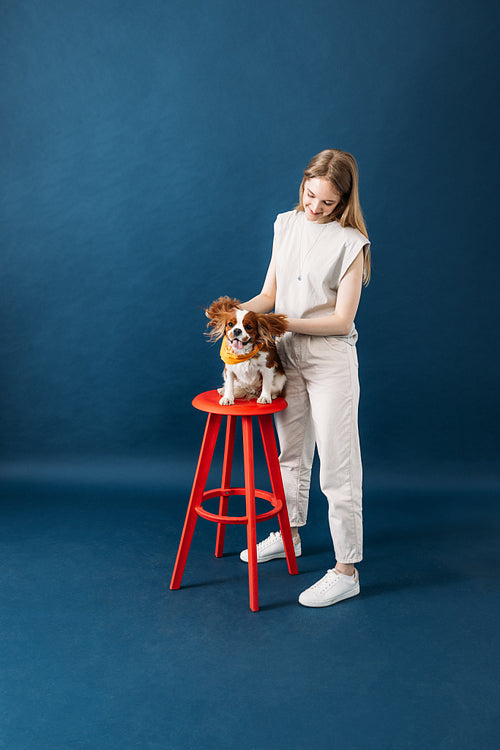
x: 252, y: 366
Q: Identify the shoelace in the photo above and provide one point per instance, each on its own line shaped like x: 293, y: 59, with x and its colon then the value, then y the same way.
x: 273, y: 537
x: 331, y: 577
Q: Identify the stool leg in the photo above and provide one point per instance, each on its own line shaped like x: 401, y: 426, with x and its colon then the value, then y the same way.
x: 251, y: 513
x: 268, y: 439
x: 200, y: 480
x: 226, y: 483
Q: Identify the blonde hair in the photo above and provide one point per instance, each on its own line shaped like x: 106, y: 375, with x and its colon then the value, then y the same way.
x: 341, y: 171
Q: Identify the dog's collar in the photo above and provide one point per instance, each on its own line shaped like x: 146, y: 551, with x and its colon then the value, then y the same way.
x: 230, y: 358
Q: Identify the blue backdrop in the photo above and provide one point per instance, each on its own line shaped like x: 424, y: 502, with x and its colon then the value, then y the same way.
x: 146, y: 149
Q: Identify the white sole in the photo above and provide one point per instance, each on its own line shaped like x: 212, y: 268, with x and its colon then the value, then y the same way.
x: 335, y: 600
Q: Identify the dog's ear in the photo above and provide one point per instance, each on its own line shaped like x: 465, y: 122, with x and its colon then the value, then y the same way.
x: 271, y: 325
x: 218, y: 314
x: 222, y: 305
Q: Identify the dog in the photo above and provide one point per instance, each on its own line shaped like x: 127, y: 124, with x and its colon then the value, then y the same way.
x: 252, y: 366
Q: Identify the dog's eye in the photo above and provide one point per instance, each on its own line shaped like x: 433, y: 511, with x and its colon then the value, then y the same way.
x: 230, y: 325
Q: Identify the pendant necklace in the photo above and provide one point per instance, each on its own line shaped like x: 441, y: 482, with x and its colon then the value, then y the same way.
x: 303, y: 257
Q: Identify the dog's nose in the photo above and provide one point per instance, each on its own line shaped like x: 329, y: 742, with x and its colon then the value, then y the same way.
x: 236, y: 331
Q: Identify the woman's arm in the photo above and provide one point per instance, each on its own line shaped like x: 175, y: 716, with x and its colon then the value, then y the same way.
x: 264, y: 302
x: 340, y: 323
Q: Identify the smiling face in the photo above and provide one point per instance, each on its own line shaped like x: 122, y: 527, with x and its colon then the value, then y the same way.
x: 242, y: 330
x: 319, y: 199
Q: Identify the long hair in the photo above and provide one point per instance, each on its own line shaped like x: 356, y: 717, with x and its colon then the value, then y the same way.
x: 341, y: 171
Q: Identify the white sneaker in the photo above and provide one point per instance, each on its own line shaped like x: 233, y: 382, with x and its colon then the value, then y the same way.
x: 272, y: 548
x: 330, y: 589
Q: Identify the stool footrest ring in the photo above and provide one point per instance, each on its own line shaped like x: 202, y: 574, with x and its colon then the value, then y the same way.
x: 276, y: 502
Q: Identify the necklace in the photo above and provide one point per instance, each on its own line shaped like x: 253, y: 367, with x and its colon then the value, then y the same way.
x: 304, y: 256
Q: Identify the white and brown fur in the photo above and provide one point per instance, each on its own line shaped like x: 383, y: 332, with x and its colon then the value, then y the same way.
x: 262, y: 376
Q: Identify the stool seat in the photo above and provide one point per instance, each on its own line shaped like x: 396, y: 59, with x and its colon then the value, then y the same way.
x: 209, y: 401
x: 244, y: 409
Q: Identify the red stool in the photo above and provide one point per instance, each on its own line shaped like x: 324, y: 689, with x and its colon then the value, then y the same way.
x: 209, y: 402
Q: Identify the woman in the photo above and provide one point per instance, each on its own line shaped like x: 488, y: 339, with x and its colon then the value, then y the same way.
x: 320, y: 260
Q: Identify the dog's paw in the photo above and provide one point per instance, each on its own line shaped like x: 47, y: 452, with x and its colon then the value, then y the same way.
x: 264, y: 400
x: 225, y: 401
x: 220, y: 391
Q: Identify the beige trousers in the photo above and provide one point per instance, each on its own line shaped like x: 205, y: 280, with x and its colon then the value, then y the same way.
x: 322, y: 391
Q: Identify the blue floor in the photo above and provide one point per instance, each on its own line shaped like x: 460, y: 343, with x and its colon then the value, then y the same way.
x: 97, y: 653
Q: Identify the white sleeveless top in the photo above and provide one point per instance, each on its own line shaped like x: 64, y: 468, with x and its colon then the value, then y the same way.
x: 311, y: 260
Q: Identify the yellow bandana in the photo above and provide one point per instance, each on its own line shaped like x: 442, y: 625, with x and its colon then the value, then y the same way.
x: 230, y: 358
